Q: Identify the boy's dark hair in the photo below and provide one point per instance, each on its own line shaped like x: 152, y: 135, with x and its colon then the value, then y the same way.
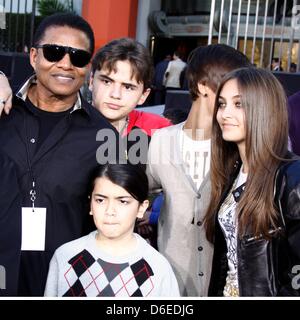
x: 64, y: 20
x: 128, y: 176
x: 208, y: 65
x: 126, y: 49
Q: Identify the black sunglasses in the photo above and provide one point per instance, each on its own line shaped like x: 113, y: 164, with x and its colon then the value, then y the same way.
x: 54, y: 53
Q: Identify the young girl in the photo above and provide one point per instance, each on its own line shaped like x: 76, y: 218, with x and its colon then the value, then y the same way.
x: 254, y: 213
x: 112, y: 261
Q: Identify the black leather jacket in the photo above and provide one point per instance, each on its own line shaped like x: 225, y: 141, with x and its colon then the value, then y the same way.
x: 265, y: 267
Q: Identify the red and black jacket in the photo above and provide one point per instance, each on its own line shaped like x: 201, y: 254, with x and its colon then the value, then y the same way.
x: 140, y: 128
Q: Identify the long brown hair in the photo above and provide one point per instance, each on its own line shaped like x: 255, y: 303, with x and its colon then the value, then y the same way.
x: 266, y: 125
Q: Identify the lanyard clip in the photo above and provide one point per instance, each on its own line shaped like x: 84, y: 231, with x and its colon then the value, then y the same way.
x: 32, y: 195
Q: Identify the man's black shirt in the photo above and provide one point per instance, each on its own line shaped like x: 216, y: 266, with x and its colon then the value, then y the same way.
x: 47, y: 120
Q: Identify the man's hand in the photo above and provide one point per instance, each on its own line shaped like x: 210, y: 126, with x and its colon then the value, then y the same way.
x: 5, y: 95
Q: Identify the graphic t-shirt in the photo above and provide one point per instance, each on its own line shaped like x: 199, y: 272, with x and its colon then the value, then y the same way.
x: 228, y: 222
x: 196, y: 157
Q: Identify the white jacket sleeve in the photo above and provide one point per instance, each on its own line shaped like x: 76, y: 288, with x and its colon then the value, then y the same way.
x: 152, y: 164
x: 51, y: 289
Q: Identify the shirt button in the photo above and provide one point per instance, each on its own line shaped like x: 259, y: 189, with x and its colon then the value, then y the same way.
x: 200, y: 248
x: 237, y: 194
x: 199, y: 223
x: 198, y: 196
x: 200, y: 274
x: 32, y: 140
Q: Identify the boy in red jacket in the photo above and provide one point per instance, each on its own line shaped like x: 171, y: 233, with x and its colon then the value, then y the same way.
x: 121, y: 78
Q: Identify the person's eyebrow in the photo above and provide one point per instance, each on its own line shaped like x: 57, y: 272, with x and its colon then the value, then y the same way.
x: 236, y: 96
x: 103, y: 196
x: 128, y: 84
x: 105, y: 77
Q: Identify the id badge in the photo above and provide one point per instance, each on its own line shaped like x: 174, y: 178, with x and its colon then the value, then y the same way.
x: 33, y: 229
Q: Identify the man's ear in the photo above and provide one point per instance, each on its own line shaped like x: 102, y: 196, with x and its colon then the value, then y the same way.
x: 144, y: 96
x: 142, y: 209
x: 33, y: 56
x: 91, y: 81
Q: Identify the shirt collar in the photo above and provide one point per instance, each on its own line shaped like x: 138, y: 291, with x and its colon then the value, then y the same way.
x: 22, y: 94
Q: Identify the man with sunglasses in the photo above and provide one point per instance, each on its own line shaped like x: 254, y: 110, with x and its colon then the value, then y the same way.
x: 51, y: 137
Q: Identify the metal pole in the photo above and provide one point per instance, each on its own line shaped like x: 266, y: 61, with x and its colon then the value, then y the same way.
x: 211, y: 20
x: 263, y: 35
x: 32, y: 22
x: 238, y: 25
x: 272, y: 38
x: 9, y: 27
x: 255, y: 31
x: 282, y: 32
x: 246, y: 28
x: 229, y: 22
x: 221, y: 21
x: 17, y: 26
x: 24, y: 26
x: 291, y: 42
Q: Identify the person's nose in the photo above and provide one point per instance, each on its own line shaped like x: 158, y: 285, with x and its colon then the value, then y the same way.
x: 227, y: 112
x: 65, y: 62
x: 110, y: 208
x: 115, y: 92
